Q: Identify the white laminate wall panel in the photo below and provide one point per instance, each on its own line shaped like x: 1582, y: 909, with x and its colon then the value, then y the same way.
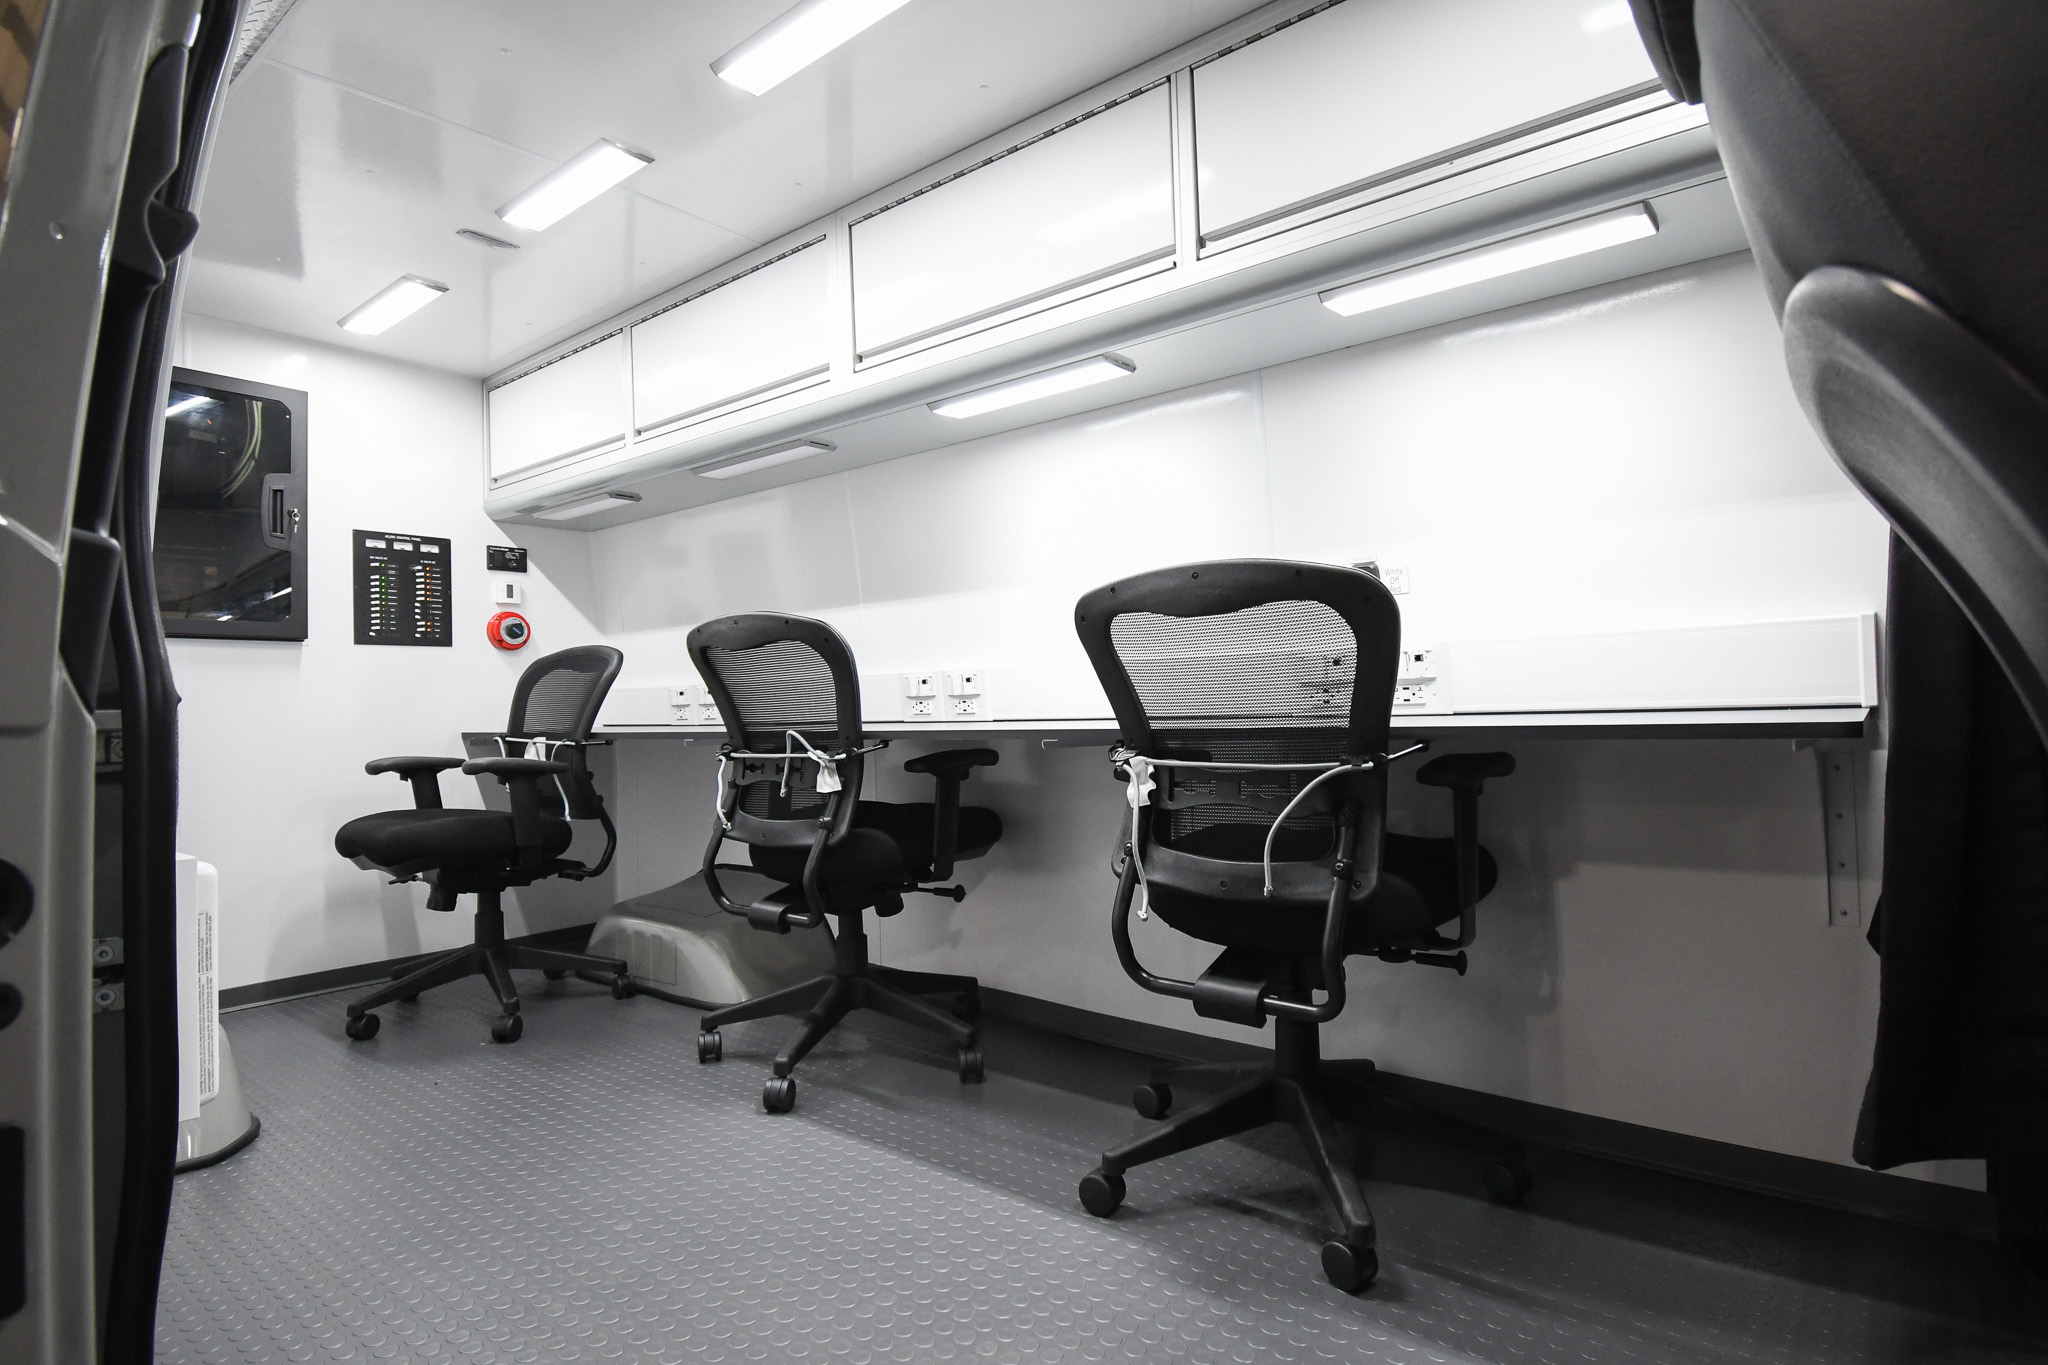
x: 1627, y: 458
x: 975, y: 555
x: 760, y: 331
x: 576, y: 404
x: 1371, y: 86
x: 1062, y: 211
x: 783, y: 549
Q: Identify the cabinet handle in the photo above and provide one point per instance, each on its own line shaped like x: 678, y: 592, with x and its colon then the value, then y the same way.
x: 278, y: 519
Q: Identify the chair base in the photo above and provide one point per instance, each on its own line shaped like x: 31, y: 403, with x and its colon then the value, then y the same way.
x: 1309, y: 1095
x: 854, y: 983
x: 491, y: 957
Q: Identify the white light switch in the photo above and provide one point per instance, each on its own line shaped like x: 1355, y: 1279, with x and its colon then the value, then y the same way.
x: 510, y: 593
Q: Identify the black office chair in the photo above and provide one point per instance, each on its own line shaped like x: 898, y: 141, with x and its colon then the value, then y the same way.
x: 1888, y: 160
x: 789, y: 788
x: 1254, y: 699
x: 458, y: 852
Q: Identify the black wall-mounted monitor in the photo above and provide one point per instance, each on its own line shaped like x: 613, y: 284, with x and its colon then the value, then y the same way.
x: 231, y: 510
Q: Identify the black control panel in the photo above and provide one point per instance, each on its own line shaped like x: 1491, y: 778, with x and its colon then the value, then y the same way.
x: 505, y: 558
x: 402, y: 589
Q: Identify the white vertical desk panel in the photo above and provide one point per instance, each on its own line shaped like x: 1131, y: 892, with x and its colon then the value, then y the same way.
x: 1373, y: 86
x: 1829, y: 662
x: 1083, y: 205
x: 575, y: 406
x: 751, y: 336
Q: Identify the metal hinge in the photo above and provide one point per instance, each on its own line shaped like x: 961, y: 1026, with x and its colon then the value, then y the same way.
x: 109, y: 952
x: 109, y: 996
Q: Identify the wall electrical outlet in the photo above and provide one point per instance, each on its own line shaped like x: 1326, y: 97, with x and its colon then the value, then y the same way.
x: 921, y: 708
x: 691, y: 704
x: 1417, y: 685
x: 963, y: 708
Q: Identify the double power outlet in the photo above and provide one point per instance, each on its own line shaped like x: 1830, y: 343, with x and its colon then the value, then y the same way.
x: 944, y: 696
x: 1418, y: 683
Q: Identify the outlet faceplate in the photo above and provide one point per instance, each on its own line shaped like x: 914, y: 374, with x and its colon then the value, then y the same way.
x: 921, y: 708
x: 963, y: 708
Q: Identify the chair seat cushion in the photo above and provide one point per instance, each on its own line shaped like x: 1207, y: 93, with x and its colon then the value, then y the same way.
x: 1418, y: 892
x: 889, y: 843
x: 415, y: 840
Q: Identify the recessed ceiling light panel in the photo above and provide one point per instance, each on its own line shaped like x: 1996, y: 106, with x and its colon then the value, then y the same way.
x: 798, y: 38
x: 485, y: 239
x: 392, y: 304
x: 573, y: 184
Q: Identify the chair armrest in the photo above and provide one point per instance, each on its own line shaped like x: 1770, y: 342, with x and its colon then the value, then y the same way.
x: 948, y: 768
x: 953, y: 763
x: 522, y: 778
x: 421, y: 772
x: 1464, y: 770
x: 503, y: 768
x: 1465, y: 775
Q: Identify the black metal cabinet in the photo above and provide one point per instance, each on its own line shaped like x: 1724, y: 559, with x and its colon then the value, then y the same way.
x: 231, y: 510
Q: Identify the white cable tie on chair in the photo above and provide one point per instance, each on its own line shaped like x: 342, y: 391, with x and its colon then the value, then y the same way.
x: 1288, y: 810
x: 718, y: 796
x: 1138, y: 792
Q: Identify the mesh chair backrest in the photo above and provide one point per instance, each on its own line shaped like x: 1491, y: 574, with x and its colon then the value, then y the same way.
x: 558, y: 697
x: 1246, y: 661
x: 772, y: 674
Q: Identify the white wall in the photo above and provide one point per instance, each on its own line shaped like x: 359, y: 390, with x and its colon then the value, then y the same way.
x: 275, y: 735
x: 1658, y: 950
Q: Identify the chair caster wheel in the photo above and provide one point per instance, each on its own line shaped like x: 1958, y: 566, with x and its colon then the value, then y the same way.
x: 1102, y: 1193
x: 1152, y: 1100
x: 970, y: 1065
x: 553, y: 973
x: 506, y: 1028
x: 362, y: 1027
x: 623, y: 988
x: 710, y: 1045
x: 1507, y: 1181
x: 967, y: 1008
x: 1350, y: 1268
x: 779, y: 1095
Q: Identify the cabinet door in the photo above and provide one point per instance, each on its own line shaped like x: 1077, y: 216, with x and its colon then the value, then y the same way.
x: 575, y: 406
x: 1370, y: 89
x: 1088, y: 205
x: 763, y: 333
x: 231, y: 510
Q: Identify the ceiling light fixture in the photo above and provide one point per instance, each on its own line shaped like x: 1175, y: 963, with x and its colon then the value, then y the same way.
x: 392, y: 304
x: 189, y: 402
x: 801, y: 36
x: 573, y: 184
x: 1491, y: 262
x: 601, y: 503
x: 1060, y: 379
x: 485, y: 239
x: 761, y: 459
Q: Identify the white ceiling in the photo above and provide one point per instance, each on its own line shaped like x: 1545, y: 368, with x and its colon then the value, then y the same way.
x: 367, y: 131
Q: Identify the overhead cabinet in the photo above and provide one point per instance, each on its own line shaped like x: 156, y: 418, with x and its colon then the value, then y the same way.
x: 758, y: 335
x: 1211, y: 186
x: 1082, y: 208
x: 1375, y: 93
x: 569, y: 408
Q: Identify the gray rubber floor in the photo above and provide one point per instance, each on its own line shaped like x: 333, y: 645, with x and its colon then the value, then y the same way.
x: 592, y: 1193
